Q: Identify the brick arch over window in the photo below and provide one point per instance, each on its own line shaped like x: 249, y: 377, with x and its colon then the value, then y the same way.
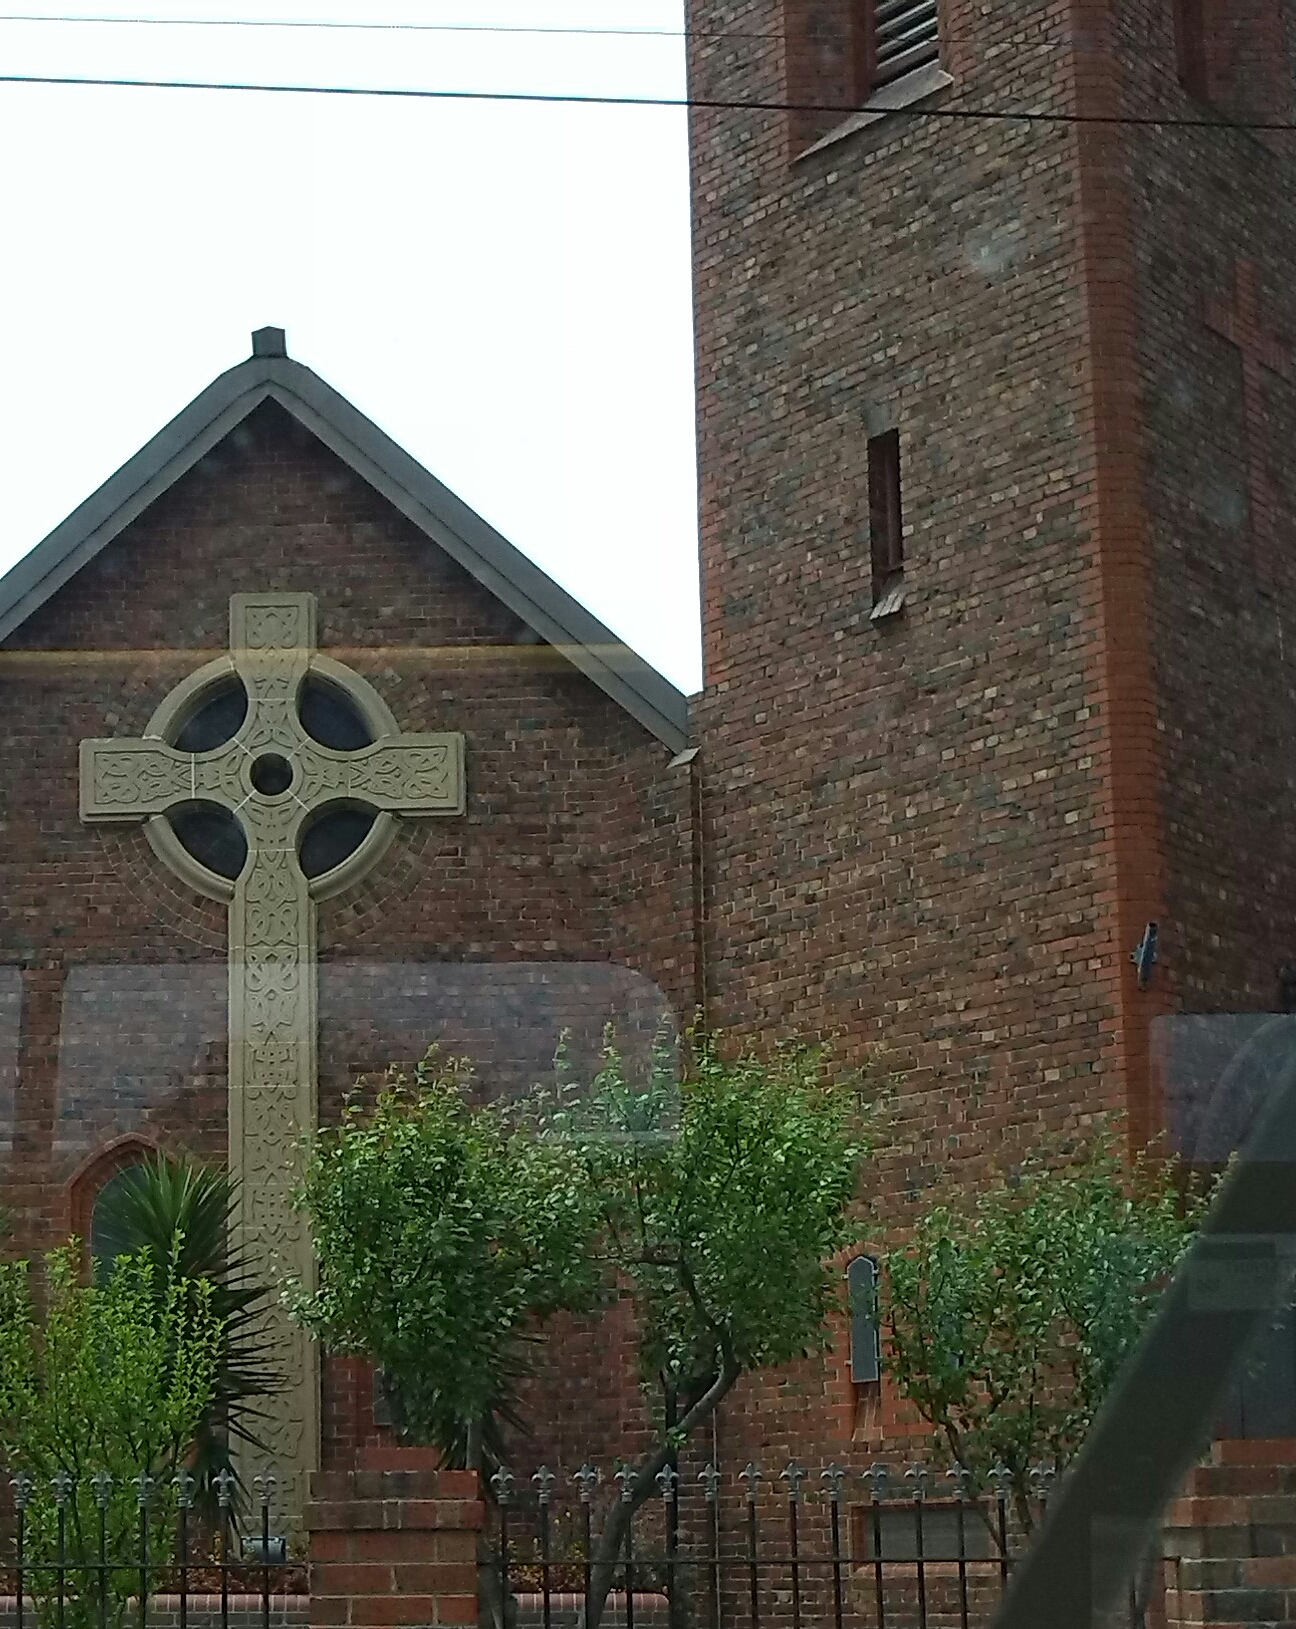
x: 94, y: 1175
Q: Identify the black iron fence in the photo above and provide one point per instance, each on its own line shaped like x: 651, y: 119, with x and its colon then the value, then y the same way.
x: 881, y: 1549
x: 100, y: 1552
x: 707, y: 1549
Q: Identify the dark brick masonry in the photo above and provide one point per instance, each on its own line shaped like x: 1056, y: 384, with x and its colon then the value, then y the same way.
x: 943, y: 832
x: 940, y: 833
x: 562, y: 898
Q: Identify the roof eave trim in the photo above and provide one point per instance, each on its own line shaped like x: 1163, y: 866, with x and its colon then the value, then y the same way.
x: 487, y: 556
x: 503, y: 570
x: 125, y: 496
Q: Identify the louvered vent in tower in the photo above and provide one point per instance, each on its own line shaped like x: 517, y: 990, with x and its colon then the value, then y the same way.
x: 905, y: 35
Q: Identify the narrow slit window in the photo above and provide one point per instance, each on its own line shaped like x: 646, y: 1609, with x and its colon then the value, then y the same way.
x: 886, y: 523
x: 893, y: 37
x: 865, y: 1332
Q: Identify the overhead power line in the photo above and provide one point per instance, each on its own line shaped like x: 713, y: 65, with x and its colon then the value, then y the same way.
x: 322, y: 24
x: 698, y: 103
x: 325, y: 24
x: 376, y: 27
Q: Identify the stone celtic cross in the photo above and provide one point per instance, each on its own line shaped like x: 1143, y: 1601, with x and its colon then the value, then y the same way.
x: 273, y: 777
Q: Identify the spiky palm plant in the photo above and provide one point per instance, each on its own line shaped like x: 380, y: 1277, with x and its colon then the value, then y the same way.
x: 178, y: 1210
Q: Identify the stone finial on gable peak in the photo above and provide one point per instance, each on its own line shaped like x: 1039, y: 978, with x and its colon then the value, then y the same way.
x: 269, y: 342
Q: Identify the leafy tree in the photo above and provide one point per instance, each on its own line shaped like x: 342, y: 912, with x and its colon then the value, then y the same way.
x: 446, y: 1234
x: 723, y: 1196
x: 1009, y: 1312
x: 179, y: 1213
x: 443, y: 1232
x: 110, y: 1380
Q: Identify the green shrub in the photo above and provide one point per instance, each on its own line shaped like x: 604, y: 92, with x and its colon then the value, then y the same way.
x: 106, y: 1381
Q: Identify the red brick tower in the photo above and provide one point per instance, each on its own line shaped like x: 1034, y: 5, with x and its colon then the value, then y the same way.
x: 996, y: 397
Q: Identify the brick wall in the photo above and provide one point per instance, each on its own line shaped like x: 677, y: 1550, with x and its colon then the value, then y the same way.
x: 943, y: 833
x: 562, y: 898
x: 393, y: 1547
x: 940, y: 834
x: 906, y: 823
x: 1220, y: 502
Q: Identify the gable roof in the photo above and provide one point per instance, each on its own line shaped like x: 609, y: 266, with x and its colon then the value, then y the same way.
x: 271, y: 375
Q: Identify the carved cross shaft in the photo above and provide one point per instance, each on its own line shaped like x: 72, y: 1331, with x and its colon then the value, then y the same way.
x: 273, y: 776
x: 1240, y: 324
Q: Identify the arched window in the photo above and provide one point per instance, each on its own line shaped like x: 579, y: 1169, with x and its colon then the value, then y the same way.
x: 101, y: 1175
x: 101, y: 1245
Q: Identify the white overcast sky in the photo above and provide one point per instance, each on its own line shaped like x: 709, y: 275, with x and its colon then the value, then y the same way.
x: 503, y: 287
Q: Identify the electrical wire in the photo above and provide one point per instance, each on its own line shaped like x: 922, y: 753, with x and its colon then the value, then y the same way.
x: 692, y: 103
x: 325, y: 24
x: 340, y: 25
x: 375, y: 28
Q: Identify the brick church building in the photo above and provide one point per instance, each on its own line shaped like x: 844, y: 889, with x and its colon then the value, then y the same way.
x: 996, y: 403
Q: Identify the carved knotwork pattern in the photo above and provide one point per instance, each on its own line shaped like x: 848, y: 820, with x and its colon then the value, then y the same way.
x: 272, y: 1056
x: 397, y: 776
x: 127, y: 780
x: 279, y: 625
x: 140, y: 781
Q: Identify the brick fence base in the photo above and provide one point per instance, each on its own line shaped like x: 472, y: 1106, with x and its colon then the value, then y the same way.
x: 1230, y: 1541
x: 390, y: 1547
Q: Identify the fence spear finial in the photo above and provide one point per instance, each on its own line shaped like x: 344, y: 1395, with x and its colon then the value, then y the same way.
x: 794, y: 1475
x: 835, y: 1476
x: 710, y: 1477
x: 544, y: 1480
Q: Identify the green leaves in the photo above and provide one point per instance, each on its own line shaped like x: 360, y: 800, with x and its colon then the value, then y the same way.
x: 447, y: 1233
x: 179, y: 1213
x: 113, y: 1378
x: 442, y: 1232
x: 724, y: 1228
x: 1009, y: 1313
x: 114, y: 1375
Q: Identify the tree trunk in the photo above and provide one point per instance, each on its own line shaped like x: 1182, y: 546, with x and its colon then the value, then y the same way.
x: 611, y: 1540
